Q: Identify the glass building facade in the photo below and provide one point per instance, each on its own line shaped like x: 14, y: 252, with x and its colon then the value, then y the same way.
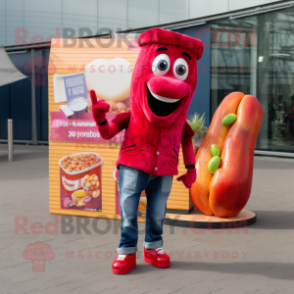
x: 37, y: 20
x: 254, y: 55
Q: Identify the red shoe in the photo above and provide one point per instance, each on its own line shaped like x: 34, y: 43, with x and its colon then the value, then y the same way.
x: 124, y: 263
x: 157, y: 257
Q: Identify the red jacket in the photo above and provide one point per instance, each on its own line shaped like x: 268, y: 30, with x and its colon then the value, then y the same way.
x: 151, y: 149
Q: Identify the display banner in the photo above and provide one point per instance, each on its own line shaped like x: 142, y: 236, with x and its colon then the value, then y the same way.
x: 110, y: 76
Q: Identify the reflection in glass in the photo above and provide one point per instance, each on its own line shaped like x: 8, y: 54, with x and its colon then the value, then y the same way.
x: 254, y: 55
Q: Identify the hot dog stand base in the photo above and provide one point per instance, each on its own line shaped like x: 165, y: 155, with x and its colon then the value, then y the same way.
x: 198, y: 220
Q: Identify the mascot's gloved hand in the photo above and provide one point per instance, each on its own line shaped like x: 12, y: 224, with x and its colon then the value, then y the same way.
x: 189, y: 178
x: 99, y: 108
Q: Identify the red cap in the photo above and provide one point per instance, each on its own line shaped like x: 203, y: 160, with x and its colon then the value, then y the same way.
x: 158, y: 35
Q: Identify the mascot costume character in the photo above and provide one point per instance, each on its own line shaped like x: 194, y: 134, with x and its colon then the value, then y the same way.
x: 163, y: 83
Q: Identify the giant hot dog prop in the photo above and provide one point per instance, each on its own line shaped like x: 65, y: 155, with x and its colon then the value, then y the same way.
x: 224, y: 161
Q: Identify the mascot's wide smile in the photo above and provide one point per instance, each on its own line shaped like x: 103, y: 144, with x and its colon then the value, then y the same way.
x: 164, y: 94
x: 161, y: 106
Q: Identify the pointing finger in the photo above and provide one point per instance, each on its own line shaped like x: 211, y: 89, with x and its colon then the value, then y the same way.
x: 93, y: 97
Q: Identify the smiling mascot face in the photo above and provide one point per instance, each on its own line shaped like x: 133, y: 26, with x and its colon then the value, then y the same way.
x: 165, y: 76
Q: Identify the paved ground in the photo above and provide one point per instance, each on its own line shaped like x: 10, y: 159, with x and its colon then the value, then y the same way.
x: 259, y: 260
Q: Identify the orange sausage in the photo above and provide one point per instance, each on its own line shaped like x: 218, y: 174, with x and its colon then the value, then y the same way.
x: 216, y: 135
x: 230, y: 186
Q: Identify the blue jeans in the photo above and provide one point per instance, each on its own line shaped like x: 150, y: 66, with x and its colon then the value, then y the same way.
x: 131, y: 184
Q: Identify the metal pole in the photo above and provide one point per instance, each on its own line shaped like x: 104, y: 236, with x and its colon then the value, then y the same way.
x: 10, y: 139
x: 34, y: 121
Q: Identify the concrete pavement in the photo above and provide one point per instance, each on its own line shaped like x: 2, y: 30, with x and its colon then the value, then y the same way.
x: 258, y: 259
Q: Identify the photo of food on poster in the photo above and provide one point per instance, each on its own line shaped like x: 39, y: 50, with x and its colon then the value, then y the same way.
x: 109, y: 78
x: 81, y: 181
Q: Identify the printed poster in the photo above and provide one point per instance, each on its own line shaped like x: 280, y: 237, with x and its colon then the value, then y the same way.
x: 108, y: 72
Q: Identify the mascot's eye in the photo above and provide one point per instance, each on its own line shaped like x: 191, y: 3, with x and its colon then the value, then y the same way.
x: 181, y: 69
x: 161, y: 65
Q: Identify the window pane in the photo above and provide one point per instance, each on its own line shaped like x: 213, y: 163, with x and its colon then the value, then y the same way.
x: 112, y: 14
x: 233, y: 58
x: 142, y: 13
x: 254, y: 55
x: 14, y: 19
x: 173, y: 10
x: 275, y: 79
x: 2, y: 23
x: 42, y: 19
x: 80, y: 14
